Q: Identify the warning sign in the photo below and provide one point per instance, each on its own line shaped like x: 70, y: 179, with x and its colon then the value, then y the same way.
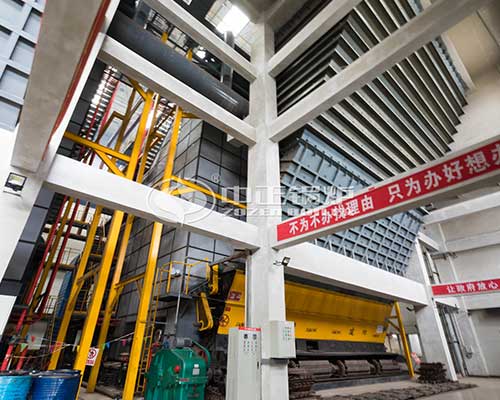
x: 465, y: 288
x: 92, y: 357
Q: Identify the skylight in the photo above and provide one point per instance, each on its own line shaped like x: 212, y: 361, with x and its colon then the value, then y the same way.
x: 233, y: 21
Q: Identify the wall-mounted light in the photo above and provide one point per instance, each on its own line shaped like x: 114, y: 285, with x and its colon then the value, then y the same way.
x: 284, y: 262
x: 15, y: 183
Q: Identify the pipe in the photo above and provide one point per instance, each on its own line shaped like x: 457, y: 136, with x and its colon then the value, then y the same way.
x: 226, y: 73
x: 148, y: 46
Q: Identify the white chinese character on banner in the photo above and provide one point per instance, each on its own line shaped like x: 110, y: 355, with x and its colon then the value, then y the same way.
x: 453, y: 171
x: 395, y: 193
x: 293, y: 228
x: 304, y: 224
x: 339, y: 212
x: 481, y: 286
x: 432, y: 179
x: 492, y: 285
x: 326, y: 216
x: 413, y: 186
x: 460, y: 288
x: 495, y: 154
x: 450, y: 289
x: 314, y: 221
x: 367, y: 203
x: 352, y: 207
x: 471, y: 287
x: 476, y: 162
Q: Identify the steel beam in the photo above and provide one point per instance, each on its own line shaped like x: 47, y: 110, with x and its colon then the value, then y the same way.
x: 133, y: 65
x: 106, y: 189
x: 425, y: 27
x: 314, y: 30
x: 188, y: 24
x: 314, y: 263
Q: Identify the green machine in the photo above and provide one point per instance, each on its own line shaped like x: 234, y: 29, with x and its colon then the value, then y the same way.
x: 177, y: 374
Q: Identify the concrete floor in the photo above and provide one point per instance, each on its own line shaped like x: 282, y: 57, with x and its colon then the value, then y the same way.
x: 488, y: 389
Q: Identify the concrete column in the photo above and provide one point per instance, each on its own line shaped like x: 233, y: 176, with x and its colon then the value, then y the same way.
x: 265, y: 286
x: 432, y: 337
x: 471, y: 349
x: 14, y: 210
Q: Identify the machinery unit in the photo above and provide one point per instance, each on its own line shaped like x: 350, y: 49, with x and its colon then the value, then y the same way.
x: 243, y: 363
x: 279, y: 337
x: 177, y: 374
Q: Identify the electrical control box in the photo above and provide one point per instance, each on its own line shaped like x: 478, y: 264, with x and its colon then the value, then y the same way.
x: 281, y: 339
x: 243, y: 364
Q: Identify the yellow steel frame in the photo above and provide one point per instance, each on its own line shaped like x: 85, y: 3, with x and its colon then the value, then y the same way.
x: 75, y: 288
x: 116, y: 285
x: 206, y: 191
x: 149, y: 275
x: 404, y: 340
x: 48, y: 265
x: 96, y: 146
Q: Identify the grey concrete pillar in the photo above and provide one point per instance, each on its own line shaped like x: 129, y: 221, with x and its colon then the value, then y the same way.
x: 432, y: 336
x: 265, y: 281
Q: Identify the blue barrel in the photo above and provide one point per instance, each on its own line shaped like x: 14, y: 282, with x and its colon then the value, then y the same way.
x: 55, y: 385
x: 14, y: 385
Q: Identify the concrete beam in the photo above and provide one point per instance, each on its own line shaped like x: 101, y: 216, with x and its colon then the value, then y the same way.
x: 463, y: 209
x: 314, y: 263
x: 65, y: 39
x: 473, y: 242
x: 314, y: 30
x: 425, y: 27
x: 134, y: 66
x: 203, y: 36
x: 429, y: 242
x: 73, y: 178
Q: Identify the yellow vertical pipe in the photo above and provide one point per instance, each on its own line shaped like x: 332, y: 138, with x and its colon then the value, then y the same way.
x: 404, y: 340
x: 149, y: 274
x: 115, y: 291
x: 48, y: 265
x: 75, y: 288
x: 109, y: 251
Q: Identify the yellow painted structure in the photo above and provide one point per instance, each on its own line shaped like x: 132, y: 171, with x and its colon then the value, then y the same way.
x: 318, y: 314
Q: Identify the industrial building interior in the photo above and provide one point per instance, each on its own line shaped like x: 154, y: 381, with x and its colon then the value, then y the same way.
x: 250, y: 199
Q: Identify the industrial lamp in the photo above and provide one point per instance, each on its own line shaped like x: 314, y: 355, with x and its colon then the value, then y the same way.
x: 284, y: 262
x: 15, y: 183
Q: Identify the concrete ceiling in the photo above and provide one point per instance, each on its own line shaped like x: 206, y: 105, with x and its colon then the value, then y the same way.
x: 277, y: 12
x: 477, y: 40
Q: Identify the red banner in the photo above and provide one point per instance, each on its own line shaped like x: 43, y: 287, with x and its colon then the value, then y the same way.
x: 464, y: 288
x: 465, y: 167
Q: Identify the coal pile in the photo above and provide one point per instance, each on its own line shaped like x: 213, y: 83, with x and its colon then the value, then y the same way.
x: 432, y: 373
